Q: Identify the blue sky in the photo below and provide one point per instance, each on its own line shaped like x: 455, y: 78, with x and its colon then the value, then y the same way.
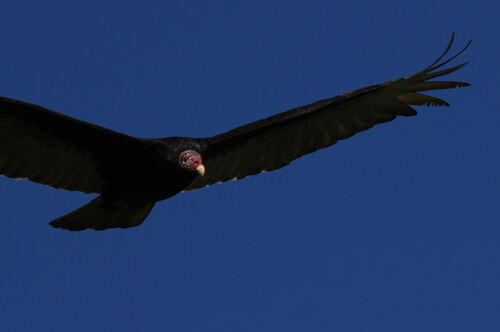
x: 395, y: 229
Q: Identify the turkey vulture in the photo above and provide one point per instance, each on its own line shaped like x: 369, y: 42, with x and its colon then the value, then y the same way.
x: 131, y: 174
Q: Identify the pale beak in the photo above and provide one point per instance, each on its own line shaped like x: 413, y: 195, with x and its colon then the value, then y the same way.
x: 201, y: 170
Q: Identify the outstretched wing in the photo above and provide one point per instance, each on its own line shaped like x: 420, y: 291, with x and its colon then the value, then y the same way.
x: 272, y: 143
x: 54, y: 149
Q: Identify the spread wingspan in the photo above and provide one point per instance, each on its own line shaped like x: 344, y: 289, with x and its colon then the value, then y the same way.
x: 274, y: 142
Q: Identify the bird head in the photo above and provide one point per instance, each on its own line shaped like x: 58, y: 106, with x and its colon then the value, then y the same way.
x: 192, y: 160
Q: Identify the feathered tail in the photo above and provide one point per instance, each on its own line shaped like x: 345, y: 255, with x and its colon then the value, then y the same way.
x: 101, y: 214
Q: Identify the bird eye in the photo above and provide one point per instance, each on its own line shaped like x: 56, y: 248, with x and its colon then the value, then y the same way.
x: 187, y: 161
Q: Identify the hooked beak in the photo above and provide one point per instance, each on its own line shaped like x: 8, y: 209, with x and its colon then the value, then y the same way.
x: 201, y: 170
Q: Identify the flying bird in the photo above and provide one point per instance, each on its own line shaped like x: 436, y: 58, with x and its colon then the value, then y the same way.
x: 131, y: 174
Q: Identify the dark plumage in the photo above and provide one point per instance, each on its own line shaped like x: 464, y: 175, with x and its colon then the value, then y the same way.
x: 131, y: 174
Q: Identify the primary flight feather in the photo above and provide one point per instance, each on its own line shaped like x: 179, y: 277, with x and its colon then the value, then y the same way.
x: 131, y: 174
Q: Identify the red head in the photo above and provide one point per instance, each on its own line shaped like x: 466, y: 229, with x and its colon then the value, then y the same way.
x: 192, y: 160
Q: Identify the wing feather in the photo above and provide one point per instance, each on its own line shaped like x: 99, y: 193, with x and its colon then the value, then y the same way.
x: 53, y: 149
x: 274, y: 142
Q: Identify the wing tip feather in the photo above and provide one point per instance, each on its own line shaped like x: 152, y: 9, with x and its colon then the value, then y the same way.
x: 436, y: 64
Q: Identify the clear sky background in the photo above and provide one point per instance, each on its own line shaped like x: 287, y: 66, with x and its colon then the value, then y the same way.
x: 394, y: 229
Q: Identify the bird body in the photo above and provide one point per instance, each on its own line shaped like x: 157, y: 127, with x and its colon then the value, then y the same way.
x: 131, y: 174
